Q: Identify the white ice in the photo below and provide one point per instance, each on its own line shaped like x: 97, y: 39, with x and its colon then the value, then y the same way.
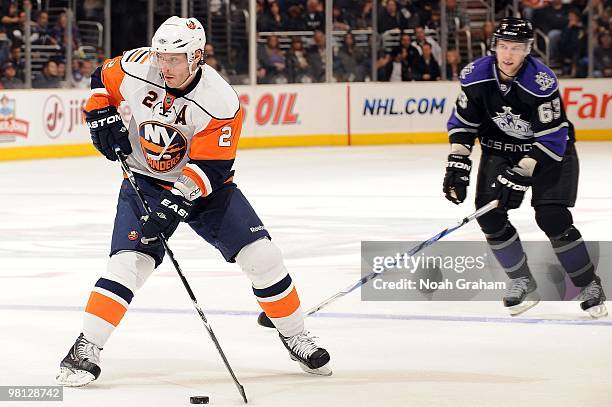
x: 319, y: 203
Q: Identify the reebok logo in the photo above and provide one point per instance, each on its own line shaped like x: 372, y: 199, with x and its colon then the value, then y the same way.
x: 257, y: 229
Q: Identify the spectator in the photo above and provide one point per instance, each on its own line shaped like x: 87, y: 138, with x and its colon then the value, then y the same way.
x: 421, y: 38
x: 213, y: 60
x: 397, y: 68
x: 272, y: 59
x: 49, y: 77
x: 10, y: 80
x: 412, y: 51
x: 41, y: 33
x: 100, y: 56
x: 76, y: 73
x: 341, y: 19
x: 364, y: 16
x: 61, y: 68
x: 530, y: 7
x: 573, y: 38
x: 410, y: 13
x: 83, y: 74
x: 453, y: 13
x: 316, y: 56
x: 295, y: 22
x: 350, y: 61
x: 314, y: 17
x: 59, y: 32
x: 390, y: 18
x: 552, y: 20
x: 15, y: 59
x: 453, y: 65
x: 10, y: 19
x: 602, y: 60
x: 273, y: 20
x: 487, y: 34
x: 427, y: 69
x: 298, y: 67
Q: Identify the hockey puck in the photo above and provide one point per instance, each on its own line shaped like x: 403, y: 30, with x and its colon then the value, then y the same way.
x: 198, y: 399
x: 263, y: 320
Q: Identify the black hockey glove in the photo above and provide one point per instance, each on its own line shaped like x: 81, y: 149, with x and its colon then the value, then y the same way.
x: 457, y: 178
x: 107, y: 130
x: 511, y: 186
x: 165, y: 217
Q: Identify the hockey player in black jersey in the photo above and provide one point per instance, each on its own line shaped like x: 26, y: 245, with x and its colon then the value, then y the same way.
x: 510, y: 101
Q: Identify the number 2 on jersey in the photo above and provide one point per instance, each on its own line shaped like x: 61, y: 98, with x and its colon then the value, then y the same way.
x: 225, y: 137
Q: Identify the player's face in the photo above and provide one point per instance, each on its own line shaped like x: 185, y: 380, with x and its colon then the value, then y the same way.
x: 510, y: 56
x: 174, y: 67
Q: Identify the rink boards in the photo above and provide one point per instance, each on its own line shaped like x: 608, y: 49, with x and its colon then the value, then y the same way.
x: 49, y: 123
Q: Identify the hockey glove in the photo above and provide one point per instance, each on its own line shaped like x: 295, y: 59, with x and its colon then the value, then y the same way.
x: 107, y: 130
x: 164, y: 219
x: 457, y: 178
x: 511, y: 186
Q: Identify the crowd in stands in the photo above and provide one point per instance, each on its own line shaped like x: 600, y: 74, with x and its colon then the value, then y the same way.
x: 53, y: 40
x: 565, y: 23
x: 292, y: 41
x: 417, y: 57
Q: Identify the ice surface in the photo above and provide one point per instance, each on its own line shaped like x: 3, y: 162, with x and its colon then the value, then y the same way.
x: 318, y: 203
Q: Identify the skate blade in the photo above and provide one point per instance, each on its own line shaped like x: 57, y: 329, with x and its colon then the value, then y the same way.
x: 324, y: 370
x: 598, y: 311
x: 73, y: 378
x: 516, y: 310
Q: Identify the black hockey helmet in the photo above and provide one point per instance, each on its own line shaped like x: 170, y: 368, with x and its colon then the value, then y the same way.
x: 513, y: 29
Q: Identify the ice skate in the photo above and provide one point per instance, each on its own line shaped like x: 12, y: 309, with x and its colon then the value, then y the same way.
x: 81, y: 365
x: 521, y: 295
x: 593, y: 297
x: 312, y: 359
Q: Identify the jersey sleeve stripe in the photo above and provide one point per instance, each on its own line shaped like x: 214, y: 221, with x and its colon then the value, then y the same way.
x: 127, y: 59
x: 98, y: 91
x: 462, y: 130
x: 201, y: 179
x: 142, y: 54
x: 464, y: 121
x: 549, y: 131
x: 548, y: 152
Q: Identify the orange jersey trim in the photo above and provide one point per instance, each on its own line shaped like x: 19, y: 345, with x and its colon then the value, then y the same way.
x: 112, y: 77
x: 106, y: 308
x: 283, y: 307
x: 218, y: 141
x: 196, y: 178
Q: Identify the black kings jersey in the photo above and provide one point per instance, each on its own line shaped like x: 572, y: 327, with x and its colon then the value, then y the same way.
x: 523, y: 117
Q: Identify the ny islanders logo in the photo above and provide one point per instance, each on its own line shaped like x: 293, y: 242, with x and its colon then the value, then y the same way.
x: 512, y: 124
x: 162, y: 145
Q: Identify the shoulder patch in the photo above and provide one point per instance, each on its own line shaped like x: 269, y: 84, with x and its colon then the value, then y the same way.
x: 537, y: 79
x: 480, y: 70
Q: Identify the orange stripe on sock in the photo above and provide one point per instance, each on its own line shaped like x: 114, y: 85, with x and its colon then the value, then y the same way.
x: 283, y: 307
x: 106, y: 308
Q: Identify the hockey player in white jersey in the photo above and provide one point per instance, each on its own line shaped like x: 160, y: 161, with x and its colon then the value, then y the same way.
x: 181, y: 144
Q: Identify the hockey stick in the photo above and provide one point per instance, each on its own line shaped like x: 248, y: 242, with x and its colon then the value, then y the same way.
x: 164, y: 242
x: 263, y: 319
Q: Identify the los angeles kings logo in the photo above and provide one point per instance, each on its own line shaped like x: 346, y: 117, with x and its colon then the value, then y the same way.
x: 162, y: 145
